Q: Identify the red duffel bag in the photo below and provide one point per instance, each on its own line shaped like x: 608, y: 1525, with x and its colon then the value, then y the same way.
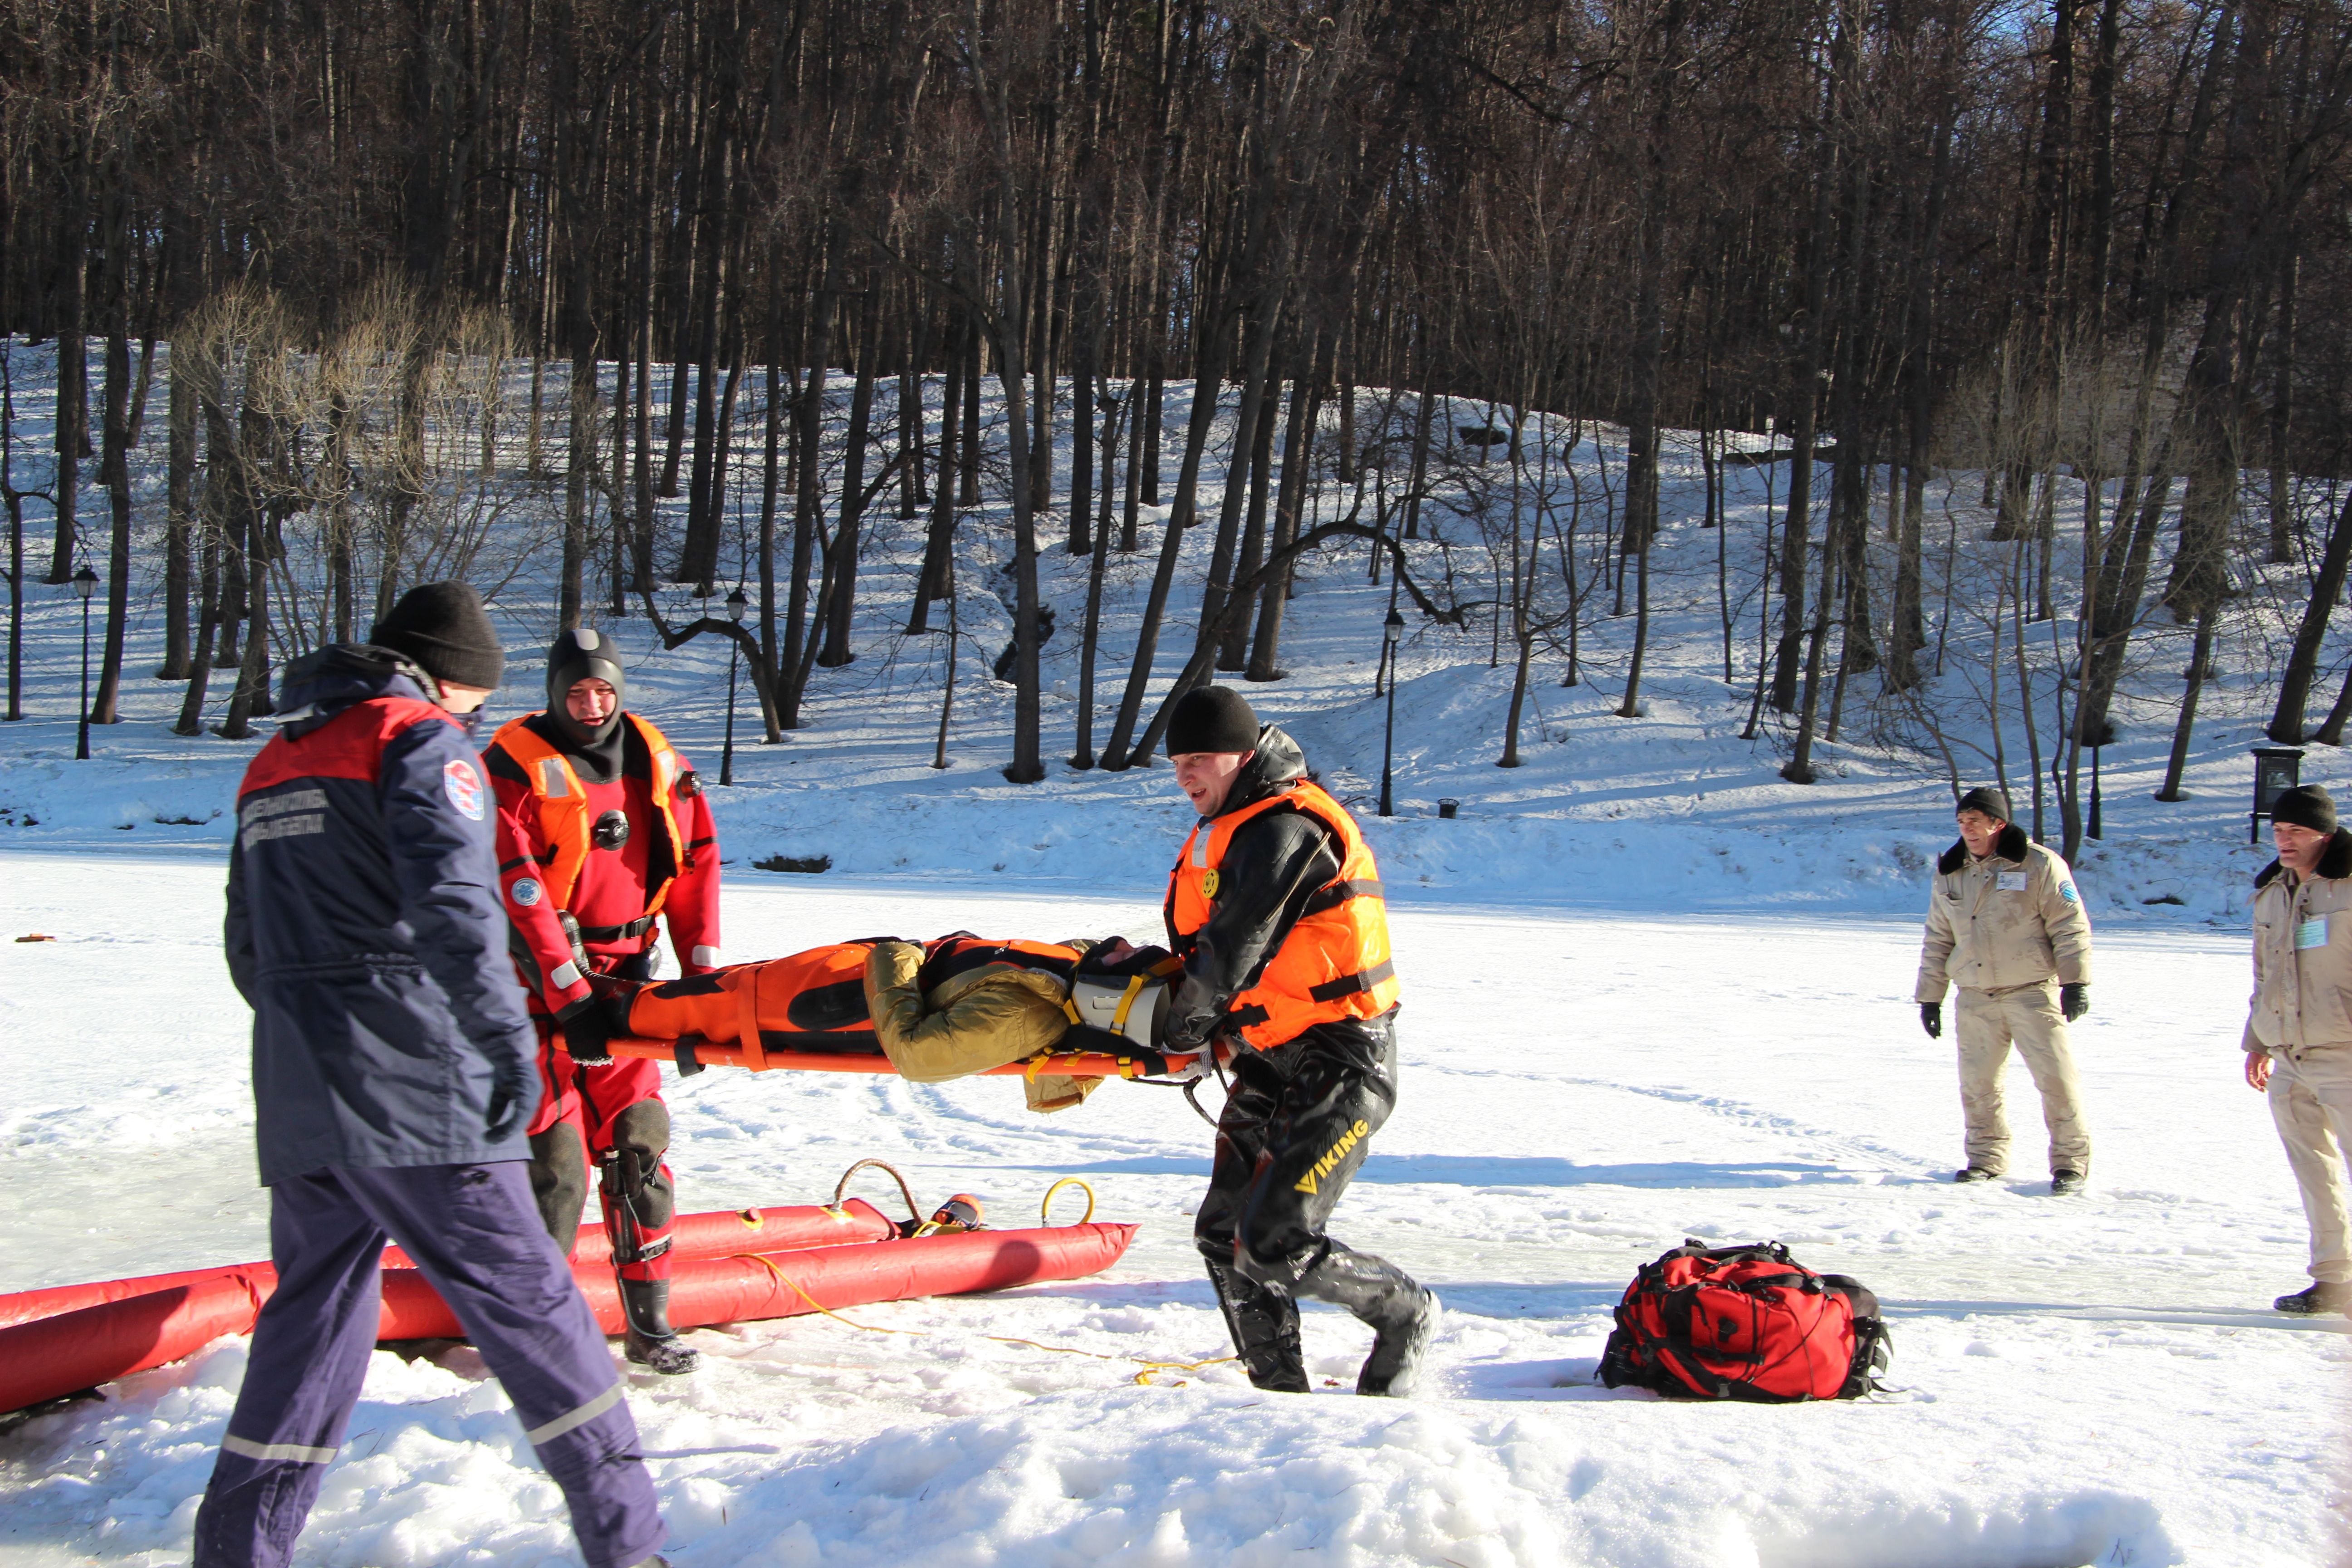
x: 1745, y: 1322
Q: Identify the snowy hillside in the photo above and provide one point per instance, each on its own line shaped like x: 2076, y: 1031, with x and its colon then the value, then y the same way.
x: 1672, y: 807
x: 1651, y: 991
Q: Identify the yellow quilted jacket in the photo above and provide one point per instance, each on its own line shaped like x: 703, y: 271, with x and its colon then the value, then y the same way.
x: 971, y: 1022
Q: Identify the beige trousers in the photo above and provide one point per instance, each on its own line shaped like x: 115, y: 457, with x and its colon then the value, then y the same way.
x: 2027, y: 1016
x: 2311, y: 1101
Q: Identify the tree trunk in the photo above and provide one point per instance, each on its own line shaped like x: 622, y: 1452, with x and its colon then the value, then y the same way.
x: 2302, y: 661
x: 1210, y: 369
x: 2282, y: 406
x: 1259, y: 350
x: 71, y: 434
x: 1297, y: 459
x: 1804, y: 388
x: 934, y: 579
x: 1234, y: 650
x: 1085, y: 355
x: 1083, y: 755
x: 1139, y: 404
x: 808, y: 502
x: 180, y: 523
x: 871, y: 350
x: 114, y: 471
x: 2200, y: 658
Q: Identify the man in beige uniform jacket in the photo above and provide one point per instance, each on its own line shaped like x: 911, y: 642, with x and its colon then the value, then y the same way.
x: 2298, y: 1035
x: 2006, y: 924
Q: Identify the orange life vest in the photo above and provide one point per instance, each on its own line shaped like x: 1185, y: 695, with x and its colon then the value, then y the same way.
x: 563, y: 803
x: 1334, y: 962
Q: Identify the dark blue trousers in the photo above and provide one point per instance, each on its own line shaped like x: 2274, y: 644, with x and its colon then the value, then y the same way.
x: 475, y: 1233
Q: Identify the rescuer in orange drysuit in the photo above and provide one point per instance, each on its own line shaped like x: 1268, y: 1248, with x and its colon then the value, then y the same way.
x: 1275, y: 908
x: 602, y: 828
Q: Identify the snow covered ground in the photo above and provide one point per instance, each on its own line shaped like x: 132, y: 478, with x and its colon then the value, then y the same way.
x: 2084, y: 1380
x: 1652, y: 991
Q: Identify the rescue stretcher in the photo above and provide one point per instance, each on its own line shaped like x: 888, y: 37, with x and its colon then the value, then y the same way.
x: 1028, y: 1009
x: 827, y: 1053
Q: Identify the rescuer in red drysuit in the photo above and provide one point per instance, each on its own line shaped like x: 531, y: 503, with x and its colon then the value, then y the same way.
x: 602, y: 828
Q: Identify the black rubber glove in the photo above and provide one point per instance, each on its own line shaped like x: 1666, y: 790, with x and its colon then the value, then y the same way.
x: 587, y: 1029
x: 1931, y: 1018
x: 2073, y: 1001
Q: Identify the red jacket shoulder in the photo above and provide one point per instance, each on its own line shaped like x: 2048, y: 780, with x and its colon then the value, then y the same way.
x: 347, y: 746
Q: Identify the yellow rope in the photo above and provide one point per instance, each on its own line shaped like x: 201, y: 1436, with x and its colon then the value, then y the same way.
x: 836, y: 1317
x: 1143, y: 1377
x: 1045, y: 1216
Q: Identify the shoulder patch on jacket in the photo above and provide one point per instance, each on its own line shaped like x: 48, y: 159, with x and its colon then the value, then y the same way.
x: 2066, y: 891
x: 464, y: 787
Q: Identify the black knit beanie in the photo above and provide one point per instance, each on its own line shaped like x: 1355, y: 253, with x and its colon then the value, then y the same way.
x: 1988, y: 799
x: 2306, y: 806
x: 1212, y: 718
x: 443, y: 630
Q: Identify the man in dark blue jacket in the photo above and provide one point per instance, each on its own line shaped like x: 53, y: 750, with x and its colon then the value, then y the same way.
x: 393, y: 1079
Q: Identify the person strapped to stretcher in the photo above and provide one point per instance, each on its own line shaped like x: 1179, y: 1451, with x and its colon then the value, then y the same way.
x: 946, y: 1008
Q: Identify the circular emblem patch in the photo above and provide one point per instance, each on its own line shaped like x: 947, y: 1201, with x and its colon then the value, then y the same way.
x: 1209, y: 884
x: 464, y: 787
x: 526, y: 892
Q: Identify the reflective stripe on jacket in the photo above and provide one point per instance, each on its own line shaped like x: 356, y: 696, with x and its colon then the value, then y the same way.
x: 1334, y: 962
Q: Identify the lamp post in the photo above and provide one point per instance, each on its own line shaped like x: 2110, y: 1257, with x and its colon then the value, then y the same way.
x: 737, y: 605
x: 85, y: 584
x: 1391, y: 632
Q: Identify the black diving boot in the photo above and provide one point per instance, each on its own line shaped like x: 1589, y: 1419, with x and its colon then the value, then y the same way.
x: 1265, y: 1325
x: 650, y: 1340
x: 1404, y: 1315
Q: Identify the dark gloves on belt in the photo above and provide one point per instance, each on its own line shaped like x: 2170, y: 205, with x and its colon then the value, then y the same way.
x: 587, y: 1027
x: 1931, y: 1018
x: 2073, y: 1001
x: 510, y: 1090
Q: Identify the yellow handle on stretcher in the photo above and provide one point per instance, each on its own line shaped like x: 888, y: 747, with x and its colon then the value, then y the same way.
x: 1064, y: 1064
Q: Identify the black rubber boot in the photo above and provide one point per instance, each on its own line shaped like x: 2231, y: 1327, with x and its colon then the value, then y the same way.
x: 2317, y: 1300
x: 650, y: 1340
x: 1265, y: 1325
x: 1403, y: 1314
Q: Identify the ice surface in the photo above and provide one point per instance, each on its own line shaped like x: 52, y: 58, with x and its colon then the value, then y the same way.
x: 2086, y: 1380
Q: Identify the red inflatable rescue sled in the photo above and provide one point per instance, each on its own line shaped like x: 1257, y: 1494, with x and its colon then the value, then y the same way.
x: 713, y: 1235
x: 117, y: 1334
